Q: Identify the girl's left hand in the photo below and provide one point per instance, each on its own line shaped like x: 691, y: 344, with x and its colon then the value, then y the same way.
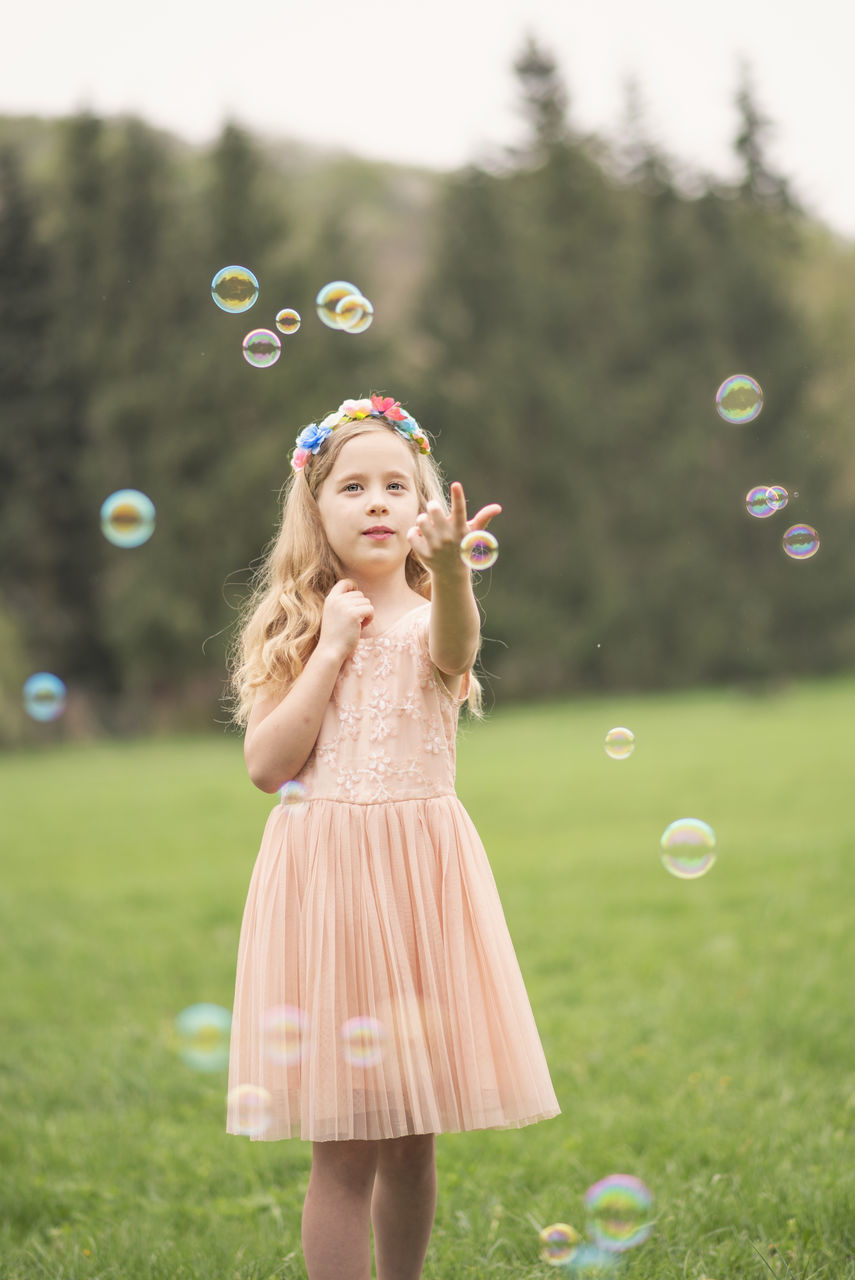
x: 437, y: 536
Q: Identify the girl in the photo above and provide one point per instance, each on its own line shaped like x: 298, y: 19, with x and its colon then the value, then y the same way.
x: 378, y: 999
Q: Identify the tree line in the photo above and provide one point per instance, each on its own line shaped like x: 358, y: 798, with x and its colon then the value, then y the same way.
x: 559, y: 319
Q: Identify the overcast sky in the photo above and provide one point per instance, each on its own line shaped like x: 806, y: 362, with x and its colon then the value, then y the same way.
x: 432, y: 83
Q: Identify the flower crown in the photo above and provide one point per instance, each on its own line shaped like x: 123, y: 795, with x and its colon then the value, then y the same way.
x: 312, y: 437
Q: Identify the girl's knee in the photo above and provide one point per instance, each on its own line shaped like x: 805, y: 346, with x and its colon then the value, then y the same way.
x: 413, y: 1154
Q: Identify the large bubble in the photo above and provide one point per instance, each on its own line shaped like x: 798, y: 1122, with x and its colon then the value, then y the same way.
x: 250, y: 1109
x: 328, y: 299
x: 479, y: 549
x: 688, y: 848
x: 801, y: 541
x: 355, y: 313
x: 620, y: 743
x: 203, y: 1036
x: 557, y: 1243
x: 127, y: 518
x: 739, y: 399
x: 44, y: 696
x: 234, y: 289
x: 619, y: 1212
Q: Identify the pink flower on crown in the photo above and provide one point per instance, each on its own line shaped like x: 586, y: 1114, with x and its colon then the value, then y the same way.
x: 300, y: 458
x: 355, y: 408
x: 386, y: 407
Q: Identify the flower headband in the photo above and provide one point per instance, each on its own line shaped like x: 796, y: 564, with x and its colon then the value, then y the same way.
x: 312, y: 437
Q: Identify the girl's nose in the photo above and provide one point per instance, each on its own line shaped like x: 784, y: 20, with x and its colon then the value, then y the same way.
x: 377, y: 503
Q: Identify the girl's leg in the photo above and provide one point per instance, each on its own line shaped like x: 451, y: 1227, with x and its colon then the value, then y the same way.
x: 403, y: 1205
x: 337, y: 1211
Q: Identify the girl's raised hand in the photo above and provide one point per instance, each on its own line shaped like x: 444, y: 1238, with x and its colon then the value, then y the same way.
x: 437, y: 536
x: 346, y: 611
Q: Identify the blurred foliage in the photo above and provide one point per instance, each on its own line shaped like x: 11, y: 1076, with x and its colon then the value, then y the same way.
x: 560, y: 319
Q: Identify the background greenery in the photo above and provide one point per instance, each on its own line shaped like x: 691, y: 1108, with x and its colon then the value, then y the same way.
x: 698, y: 1033
x: 560, y: 317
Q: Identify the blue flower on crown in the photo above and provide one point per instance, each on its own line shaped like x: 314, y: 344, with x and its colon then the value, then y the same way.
x: 313, y: 436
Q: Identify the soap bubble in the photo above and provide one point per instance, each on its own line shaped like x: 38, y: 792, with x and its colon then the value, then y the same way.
x: 761, y: 501
x: 234, y: 289
x: 288, y: 320
x: 293, y: 792
x: 620, y: 743
x: 801, y: 541
x: 739, y: 399
x: 250, y: 1110
x: 127, y: 518
x: 591, y: 1262
x: 479, y: 549
x: 203, y: 1036
x: 262, y: 348
x: 44, y: 696
x: 780, y: 496
x: 362, y: 1041
x: 354, y: 313
x: 284, y: 1030
x: 688, y: 848
x: 328, y: 299
x: 619, y: 1212
x: 558, y: 1242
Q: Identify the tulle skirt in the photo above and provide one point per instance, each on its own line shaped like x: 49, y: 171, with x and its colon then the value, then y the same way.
x: 378, y: 993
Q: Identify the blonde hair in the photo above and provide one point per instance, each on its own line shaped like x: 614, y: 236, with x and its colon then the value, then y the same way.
x: 279, y: 623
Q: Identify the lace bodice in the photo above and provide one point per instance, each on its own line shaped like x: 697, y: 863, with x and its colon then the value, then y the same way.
x: 389, y: 730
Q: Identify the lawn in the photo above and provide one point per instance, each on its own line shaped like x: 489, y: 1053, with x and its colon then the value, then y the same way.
x: 699, y: 1033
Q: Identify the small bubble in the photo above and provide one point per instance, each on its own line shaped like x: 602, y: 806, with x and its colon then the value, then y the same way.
x: 127, y: 518
x: 362, y: 1041
x: 44, y: 696
x: 250, y: 1110
x: 479, y: 549
x: 284, y: 1030
x: 739, y: 399
x: 557, y: 1243
x: 355, y: 313
x: 620, y: 743
x: 761, y: 501
x: 293, y: 792
x: 287, y: 320
x: 262, y: 348
x: 328, y: 299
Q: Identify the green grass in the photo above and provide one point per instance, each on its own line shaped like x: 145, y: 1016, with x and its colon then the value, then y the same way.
x: 699, y: 1033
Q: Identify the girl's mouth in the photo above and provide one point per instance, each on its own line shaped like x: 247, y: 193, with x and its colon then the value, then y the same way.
x: 379, y: 533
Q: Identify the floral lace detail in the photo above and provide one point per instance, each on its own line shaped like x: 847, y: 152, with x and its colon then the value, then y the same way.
x: 389, y: 731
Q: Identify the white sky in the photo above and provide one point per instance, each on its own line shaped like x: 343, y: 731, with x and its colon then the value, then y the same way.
x: 431, y: 83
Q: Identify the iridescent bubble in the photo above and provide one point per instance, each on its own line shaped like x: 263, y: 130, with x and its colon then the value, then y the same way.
x: 619, y: 1212
x: 590, y: 1261
x: 203, y: 1036
x: 558, y: 1242
x: 234, y: 289
x: 354, y: 313
x: 262, y: 348
x: 479, y: 549
x: 761, y: 501
x: 362, y: 1041
x: 328, y: 299
x: 780, y: 496
x: 250, y: 1110
x: 688, y: 848
x: 620, y: 743
x: 284, y: 1032
x: 288, y: 320
x: 44, y: 696
x: 293, y: 792
x: 739, y: 399
x: 801, y: 541
x: 127, y: 518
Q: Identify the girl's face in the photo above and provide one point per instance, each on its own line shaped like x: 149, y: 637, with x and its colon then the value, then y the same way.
x: 368, y: 502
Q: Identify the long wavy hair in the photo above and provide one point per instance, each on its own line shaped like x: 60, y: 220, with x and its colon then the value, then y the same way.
x: 280, y: 621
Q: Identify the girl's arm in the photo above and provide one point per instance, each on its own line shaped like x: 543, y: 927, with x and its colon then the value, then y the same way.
x: 280, y: 734
x: 455, y: 624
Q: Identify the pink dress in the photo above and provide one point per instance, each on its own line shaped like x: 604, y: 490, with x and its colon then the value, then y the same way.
x: 377, y: 992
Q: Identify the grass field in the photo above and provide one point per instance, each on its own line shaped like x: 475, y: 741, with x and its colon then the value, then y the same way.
x: 700, y: 1034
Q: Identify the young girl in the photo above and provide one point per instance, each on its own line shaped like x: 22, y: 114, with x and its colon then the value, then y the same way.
x: 378, y: 999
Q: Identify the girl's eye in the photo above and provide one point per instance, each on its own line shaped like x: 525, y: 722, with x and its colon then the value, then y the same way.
x: 351, y: 487
x: 395, y: 484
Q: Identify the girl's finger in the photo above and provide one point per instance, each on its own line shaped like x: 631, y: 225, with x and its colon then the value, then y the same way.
x: 482, y: 518
x: 458, y: 502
